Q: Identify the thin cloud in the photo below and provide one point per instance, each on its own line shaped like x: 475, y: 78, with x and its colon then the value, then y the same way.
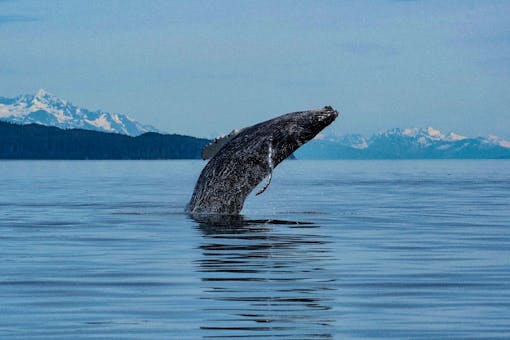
x: 367, y: 48
x: 4, y: 19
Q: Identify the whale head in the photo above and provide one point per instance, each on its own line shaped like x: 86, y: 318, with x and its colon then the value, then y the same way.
x: 288, y: 132
x: 308, y: 124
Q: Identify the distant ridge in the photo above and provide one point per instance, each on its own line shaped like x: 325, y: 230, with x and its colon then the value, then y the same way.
x: 35, y: 141
x: 427, y: 143
x: 43, y: 126
x: 46, y: 109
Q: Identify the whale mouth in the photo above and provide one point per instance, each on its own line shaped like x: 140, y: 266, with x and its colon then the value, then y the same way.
x: 328, y: 114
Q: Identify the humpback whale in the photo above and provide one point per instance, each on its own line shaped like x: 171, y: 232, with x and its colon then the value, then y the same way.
x: 243, y: 158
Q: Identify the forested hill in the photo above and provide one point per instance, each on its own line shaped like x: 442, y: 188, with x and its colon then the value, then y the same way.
x: 42, y: 142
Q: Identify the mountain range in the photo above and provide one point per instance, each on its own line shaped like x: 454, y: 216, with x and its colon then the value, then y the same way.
x: 415, y: 143
x: 46, y: 109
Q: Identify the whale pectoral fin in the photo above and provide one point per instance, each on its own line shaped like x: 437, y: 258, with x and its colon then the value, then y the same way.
x: 267, y: 183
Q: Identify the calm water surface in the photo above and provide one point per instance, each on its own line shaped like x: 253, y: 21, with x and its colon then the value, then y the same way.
x: 391, y: 249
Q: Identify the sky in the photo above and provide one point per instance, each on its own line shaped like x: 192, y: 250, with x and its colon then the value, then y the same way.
x: 204, y: 68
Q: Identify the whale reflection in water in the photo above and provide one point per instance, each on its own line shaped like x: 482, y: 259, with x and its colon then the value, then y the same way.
x: 265, y: 278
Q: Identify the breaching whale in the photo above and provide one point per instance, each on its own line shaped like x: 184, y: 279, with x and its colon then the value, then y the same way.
x: 242, y: 159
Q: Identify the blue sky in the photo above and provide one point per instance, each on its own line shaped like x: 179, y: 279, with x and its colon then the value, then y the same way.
x: 207, y: 67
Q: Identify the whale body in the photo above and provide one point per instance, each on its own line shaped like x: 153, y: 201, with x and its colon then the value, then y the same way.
x: 242, y: 159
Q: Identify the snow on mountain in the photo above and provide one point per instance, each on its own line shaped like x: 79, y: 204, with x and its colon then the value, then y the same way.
x: 495, y: 140
x: 431, y: 134
x: 423, y: 136
x: 406, y: 143
x: 432, y: 137
x: 46, y: 109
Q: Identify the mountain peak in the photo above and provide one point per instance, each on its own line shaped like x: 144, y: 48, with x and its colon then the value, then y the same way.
x: 452, y: 136
x: 47, y: 99
x: 41, y: 93
x: 46, y: 109
x: 498, y: 141
x: 434, y: 133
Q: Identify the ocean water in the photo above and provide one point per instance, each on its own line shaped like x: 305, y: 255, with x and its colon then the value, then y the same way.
x: 332, y: 250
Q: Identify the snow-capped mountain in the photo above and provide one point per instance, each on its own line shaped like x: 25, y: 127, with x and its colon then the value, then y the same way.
x: 423, y: 137
x: 46, y: 109
x: 405, y: 143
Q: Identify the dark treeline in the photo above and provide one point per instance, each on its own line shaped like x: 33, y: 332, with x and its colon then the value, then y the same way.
x: 42, y: 142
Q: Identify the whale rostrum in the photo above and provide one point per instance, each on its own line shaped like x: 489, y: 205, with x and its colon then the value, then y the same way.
x: 243, y: 158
